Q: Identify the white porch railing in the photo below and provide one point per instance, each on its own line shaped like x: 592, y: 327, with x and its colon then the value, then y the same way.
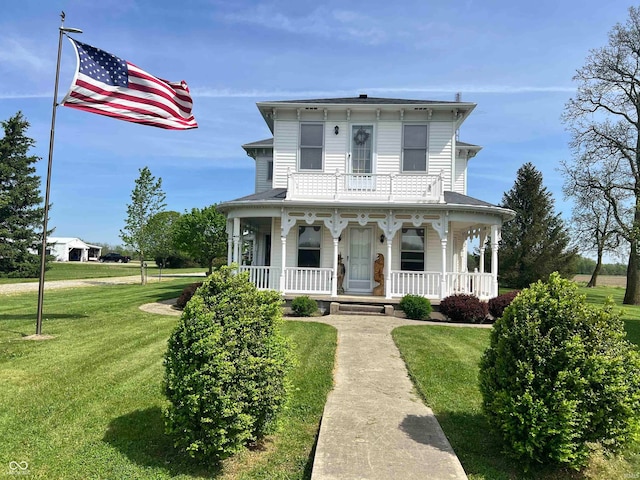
x: 263, y: 277
x: 478, y: 284
x: 307, y: 280
x: 427, y: 284
x: 365, y: 187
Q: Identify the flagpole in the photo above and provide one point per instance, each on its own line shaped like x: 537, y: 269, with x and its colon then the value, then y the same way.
x: 43, y: 251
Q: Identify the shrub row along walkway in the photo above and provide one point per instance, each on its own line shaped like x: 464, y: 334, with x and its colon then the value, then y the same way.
x: 374, y: 425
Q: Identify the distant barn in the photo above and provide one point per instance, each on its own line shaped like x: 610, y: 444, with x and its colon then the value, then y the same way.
x: 68, y: 249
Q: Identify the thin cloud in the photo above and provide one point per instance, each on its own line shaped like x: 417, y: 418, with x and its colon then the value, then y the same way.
x: 320, y: 22
x: 14, y: 52
x: 204, y: 92
x: 14, y: 96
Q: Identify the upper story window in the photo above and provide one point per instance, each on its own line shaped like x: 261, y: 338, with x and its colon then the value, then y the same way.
x: 270, y: 170
x: 414, y: 148
x: 311, y: 145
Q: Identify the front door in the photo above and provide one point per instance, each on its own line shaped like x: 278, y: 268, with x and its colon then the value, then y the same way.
x: 360, y: 265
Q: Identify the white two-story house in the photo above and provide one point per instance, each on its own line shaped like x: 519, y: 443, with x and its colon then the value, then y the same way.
x: 344, y: 180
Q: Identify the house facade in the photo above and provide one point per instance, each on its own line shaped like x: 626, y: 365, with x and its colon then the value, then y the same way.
x: 364, y: 196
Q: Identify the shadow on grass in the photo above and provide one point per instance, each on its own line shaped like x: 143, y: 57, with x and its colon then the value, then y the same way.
x: 140, y: 436
x: 481, y: 451
x: 48, y: 316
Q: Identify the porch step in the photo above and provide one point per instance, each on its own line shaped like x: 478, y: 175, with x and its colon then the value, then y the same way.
x: 360, y: 309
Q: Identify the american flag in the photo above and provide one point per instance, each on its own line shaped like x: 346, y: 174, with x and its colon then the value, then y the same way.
x: 108, y: 85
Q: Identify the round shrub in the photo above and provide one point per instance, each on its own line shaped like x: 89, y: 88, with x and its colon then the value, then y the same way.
x: 304, y: 306
x: 415, y: 307
x: 226, y: 367
x: 499, y: 303
x: 464, y: 308
x: 560, y: 375
x: 187, y: 293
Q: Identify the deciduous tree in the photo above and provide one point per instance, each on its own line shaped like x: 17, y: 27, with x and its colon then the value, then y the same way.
x: 147, y: 199
x: 202, y: 234
x: 604, y: 120
x: 21, y: 206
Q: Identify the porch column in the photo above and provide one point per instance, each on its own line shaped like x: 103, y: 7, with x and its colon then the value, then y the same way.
x: 387, y: 285
x: 236, y: 240
x: 283, y: 239
x: 229, y: 242
x: 334, y: 276
x: 483, y: 242
x: 443, y: 281
x: 495, y: 238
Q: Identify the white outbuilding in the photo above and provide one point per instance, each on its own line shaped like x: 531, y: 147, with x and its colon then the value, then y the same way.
x: 69, y: 249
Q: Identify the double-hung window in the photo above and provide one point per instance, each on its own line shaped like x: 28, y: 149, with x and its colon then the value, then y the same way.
x: 414, y: 148
x: 309, y: 240
x: 412, y: 250
x: 311, y: 146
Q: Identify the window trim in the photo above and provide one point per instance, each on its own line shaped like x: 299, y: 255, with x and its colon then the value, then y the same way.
x: 426, y: 148
x: 321, y: 147
x: 424, y: 248
x: 319, y: 249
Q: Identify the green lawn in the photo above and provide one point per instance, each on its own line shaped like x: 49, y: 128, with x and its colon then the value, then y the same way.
x: 444, y: 364
x: 87, y: 404
x: 79, y: 270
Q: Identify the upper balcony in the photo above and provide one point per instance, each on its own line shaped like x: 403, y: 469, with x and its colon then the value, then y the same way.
x: 369, y: 187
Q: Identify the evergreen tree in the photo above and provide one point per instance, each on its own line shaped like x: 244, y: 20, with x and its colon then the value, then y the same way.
x: 535, y: 243
x: 21, y: 208
x: 147, y: 199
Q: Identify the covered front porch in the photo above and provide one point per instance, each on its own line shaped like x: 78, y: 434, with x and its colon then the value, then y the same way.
x: 345, y: 251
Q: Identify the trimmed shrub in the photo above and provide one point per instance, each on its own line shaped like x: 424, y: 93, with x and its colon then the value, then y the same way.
x: 187, y: 293
x: 226, y: 368
x: 304, y: 306
x: 464, y: 308
x: 415, y: 307
x: 499, y: 303
x: 559, y: 376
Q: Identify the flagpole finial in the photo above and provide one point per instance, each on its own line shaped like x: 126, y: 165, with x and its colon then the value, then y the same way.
x: 62, y: 16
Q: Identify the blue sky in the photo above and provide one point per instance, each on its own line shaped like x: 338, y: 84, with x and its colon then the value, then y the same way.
x: 515, y: 60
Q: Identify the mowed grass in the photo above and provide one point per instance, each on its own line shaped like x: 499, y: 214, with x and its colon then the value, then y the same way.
x: 80, y: 270
x: 444, y: 365
x: 88, y: 403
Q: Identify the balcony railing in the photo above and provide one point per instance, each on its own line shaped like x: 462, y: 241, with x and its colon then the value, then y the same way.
x: 406, y: 187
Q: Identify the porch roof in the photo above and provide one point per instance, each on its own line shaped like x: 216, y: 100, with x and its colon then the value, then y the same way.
x: 277, y: 196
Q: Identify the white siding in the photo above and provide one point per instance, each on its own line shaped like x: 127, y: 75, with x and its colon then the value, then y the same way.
x: 285, y: 151
x: 262, y: 168
x: 440, y: 150
x: 389, y: 147
x: 460, y: 184
x: 433, y: 250
x: 335, y: 146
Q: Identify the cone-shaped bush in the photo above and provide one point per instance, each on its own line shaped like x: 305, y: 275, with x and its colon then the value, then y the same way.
x: 558, y: 375
x: 226, y: 367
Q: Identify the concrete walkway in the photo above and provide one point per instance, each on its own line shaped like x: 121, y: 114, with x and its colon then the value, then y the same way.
x: 374, y: 425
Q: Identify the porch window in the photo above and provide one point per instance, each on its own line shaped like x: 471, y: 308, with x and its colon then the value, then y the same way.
x: 270, y: 170
x: 309, y: 240
x: 311, y: 143
x: 412, y: 250
x: 414, y: 148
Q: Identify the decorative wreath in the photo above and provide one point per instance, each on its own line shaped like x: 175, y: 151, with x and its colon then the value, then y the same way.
x: 361, y: 136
